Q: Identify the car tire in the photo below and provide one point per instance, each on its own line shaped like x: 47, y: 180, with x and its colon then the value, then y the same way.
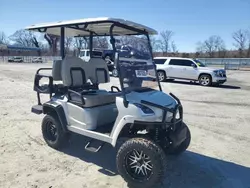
x: 52, y: 131
x: 205, y: 80
x: 107, y: 58
x: 115, y: 72
x: 162, y: 76
x: 141, y: 163
x: 182, y: 147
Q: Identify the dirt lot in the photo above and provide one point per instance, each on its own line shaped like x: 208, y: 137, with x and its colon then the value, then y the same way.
x: 219, y: 119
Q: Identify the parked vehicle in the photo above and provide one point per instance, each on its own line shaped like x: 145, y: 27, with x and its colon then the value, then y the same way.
x: 15, y: 59
x: 188, y: 69
x: 85, y: 54
x: 37, y: 60
x: 150, y: 119
x: 125, y: 51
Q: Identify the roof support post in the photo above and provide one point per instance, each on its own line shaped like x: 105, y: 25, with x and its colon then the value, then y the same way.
x: 90, y: 44
x: 62, y: 50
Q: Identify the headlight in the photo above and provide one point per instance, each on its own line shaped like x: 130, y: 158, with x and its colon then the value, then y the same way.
x: 145, y: 109
x: 177, y: 115
x: 217, y: 73
x: 169, y: 117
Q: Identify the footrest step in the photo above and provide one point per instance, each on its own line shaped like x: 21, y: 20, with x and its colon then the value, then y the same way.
x: 91, y: 148
x: 37, y: 109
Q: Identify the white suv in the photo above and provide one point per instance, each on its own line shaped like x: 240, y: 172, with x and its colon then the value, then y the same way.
x: 188, y: 69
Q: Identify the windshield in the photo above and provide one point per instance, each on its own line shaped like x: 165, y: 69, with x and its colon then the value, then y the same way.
x: 199, y: 63
x: 137, y: 71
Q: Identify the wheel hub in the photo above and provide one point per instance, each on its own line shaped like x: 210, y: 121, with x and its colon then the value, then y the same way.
x: 205, y: 80
x: 139, y: 165
x: 51, y: 131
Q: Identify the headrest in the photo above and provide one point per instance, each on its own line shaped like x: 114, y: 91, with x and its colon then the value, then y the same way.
x: 56, y: 70
x: 99, y: 71
x: 74, y: 71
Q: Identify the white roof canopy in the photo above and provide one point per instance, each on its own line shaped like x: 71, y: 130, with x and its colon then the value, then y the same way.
x: 99, y: 26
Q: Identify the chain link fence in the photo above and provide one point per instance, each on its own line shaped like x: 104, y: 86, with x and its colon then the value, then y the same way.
x: 228, y: 63
x: 225, y: 63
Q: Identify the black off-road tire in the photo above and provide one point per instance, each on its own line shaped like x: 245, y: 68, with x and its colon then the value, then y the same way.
x: 157, y: 158
x: 182, y: 147
x: 61, y: 138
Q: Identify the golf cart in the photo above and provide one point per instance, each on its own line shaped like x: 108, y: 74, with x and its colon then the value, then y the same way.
x: 138, y: 109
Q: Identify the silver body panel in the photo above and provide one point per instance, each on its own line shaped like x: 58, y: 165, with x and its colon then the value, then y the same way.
x: 84, y: 121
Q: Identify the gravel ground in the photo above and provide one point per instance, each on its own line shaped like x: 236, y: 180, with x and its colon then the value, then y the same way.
x: 219, y: 119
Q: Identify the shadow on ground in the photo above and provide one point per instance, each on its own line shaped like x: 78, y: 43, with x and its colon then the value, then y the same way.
x: 223, y: 86
x: 188, y: 170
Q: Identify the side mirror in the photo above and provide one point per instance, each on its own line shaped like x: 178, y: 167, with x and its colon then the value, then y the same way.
x: 194, y: 65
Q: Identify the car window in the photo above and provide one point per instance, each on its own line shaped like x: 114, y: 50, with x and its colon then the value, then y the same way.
x: 159, y: 61
x: 97, y: 53
x: 81, y: 53
x: 87, y: 54
x: 181, y: 62
x: 125, y: 48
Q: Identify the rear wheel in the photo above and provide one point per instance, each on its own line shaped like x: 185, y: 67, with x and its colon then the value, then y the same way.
x: 115, y: 72
x: 52, y: 131
x: 141, y: 163
x: 205, y: 80
x: 161, y: 76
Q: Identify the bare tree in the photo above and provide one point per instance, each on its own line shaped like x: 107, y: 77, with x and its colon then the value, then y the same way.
x: 240, y: 38
x: 155, y: 43
x: 213, y: 44
x: 52, y: 42
x: 165, y: 41
x: 199, y: 49
x: 100, y: 42
x: 174, y: 48
x: 3, y: 38
x: 80, y: 42
x: 68, y: 42
x: 248, y: 43
x: 25, y: 38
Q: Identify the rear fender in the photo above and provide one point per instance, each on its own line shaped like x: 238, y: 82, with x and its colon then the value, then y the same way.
x: 52, y: 107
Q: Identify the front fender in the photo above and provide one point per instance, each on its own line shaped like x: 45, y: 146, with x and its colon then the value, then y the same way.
x: 126, y: 120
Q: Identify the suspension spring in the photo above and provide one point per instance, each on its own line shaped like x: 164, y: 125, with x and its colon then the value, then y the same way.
x: 157, y: 134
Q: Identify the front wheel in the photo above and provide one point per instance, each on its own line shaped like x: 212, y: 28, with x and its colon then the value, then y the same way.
x: 141, y: 163
x: 162, y: 76
x: 205, y: 80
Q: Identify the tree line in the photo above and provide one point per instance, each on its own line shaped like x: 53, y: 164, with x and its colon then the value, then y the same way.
x: 162, y: 45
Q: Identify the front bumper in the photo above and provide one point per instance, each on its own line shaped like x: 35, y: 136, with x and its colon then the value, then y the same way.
x: 219, y: 80
x: 179, y: 135
x: 174, y: 123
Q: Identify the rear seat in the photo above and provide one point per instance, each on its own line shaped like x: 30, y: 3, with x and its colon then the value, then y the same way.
x: 76, y: 72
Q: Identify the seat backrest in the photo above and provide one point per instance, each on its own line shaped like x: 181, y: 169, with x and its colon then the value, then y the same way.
x: 98, y: 70
x: 56, y: 70
x: 74, y: 72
